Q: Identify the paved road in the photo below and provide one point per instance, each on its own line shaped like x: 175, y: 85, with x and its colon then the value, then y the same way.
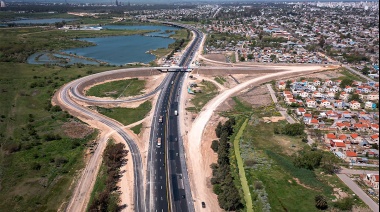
x: 358, y: 191
x: 357, y: 171
x: 134, y: 151
x: 168, y: 181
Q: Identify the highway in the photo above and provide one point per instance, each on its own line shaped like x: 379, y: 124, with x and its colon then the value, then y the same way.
x: 168, y: 185
x: 168, y: 182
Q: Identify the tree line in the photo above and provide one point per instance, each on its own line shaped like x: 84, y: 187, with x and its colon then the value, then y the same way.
x: 222, y: 180
x: 114, y: 157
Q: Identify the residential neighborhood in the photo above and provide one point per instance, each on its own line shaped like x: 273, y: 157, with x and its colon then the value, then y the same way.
x: 341, y: 115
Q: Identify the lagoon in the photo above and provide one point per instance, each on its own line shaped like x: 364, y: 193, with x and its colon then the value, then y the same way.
x: 114, y: 50
x: 120, y: 50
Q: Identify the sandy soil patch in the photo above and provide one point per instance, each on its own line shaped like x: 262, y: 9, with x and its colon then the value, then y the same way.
x: 256, y: 96
x: 273, y: 119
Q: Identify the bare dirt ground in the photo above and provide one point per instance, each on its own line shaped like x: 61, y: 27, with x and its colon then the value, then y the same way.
x: 256, y: 96
x: 216, y: 57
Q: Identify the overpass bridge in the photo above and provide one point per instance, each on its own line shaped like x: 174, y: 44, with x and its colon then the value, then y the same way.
x: 174, y: 68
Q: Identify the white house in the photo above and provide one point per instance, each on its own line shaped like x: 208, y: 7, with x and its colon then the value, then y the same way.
x: 317, y: 94
x: 348, y: 89
x: 373, y: 96
x: 311, y: 103
x: 344, y: 96
x: 311, y: 87
x: 354, y: 105
x: 304, y: 94
x: 325, y: 103
x: 317, y: 83
x: 281, y: 85
x: 300, y: 111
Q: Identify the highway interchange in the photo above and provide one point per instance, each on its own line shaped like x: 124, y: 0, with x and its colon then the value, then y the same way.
x: 168, y: 186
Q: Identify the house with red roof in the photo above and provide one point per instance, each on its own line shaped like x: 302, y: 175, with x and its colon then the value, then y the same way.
x: 311, y: 103
x: 300, y: 111
x: 375, y: 127
x: 355, y: 138
x: 355, y: 105
x: 351, y: 156
x: 281, y: 85
x: 374, y: 139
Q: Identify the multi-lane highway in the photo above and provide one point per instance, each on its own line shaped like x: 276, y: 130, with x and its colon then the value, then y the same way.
x: 168, y: 186
x: 168, y: 182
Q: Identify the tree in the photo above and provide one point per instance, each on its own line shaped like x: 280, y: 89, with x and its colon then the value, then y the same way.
x: 346, y: 82
x: 218, y: 130
x: 375, y: 146
x: 273, y: 57
x: 353, y: 97
x: 250, y: 56
x: 321, y: 202
x: 214, y: 145
x: 242, y: 58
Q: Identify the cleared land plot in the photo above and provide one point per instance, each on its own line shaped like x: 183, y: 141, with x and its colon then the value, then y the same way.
x: 216, y: 57
x: 200, y: 99
x: 116, y: 89
x: 127, y: 116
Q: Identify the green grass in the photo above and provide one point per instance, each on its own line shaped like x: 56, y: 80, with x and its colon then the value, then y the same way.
x: 22, y: 187
x: 137, y: 129
x: 221, y: 80
x: 116, y: 89
x: 350, y: 75
x: 243, y: 179
x: 127, y: 116
x: 209, y: 91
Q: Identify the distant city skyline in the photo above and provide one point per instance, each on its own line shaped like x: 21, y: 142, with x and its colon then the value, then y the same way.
x: 178, y: 1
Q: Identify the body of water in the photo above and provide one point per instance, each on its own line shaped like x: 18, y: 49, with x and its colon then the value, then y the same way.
x: 114, y: 50
x: 120, y: 50
x: 42, y: 21
x: 163, y: 31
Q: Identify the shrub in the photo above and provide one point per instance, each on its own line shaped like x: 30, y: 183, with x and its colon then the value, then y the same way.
x: 344, y: 204
x: 214, y: 145
x: 321, y: 202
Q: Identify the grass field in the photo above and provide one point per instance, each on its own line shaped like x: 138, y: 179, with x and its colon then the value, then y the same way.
x: 243, y: 179
x: 127, y: 116
x: 37, y: 170
x: 209, y: 91
x: 116, y: 89
x: 221, y: 80
x: 137, y: 129
x: 350, y: 75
